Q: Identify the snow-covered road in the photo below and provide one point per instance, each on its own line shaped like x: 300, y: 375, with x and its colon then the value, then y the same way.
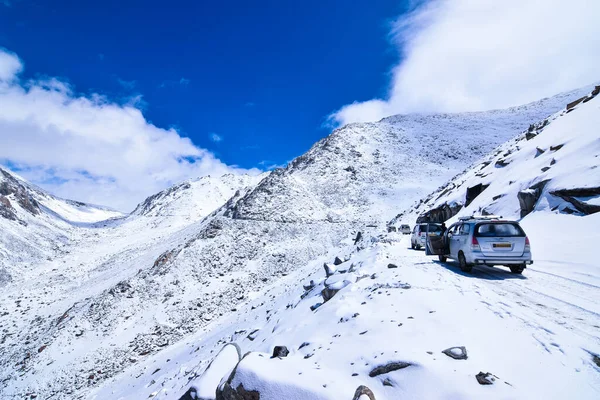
x: 535, y: 332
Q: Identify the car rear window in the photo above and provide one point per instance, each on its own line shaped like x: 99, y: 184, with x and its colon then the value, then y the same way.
x: 498, y: 230
x: 432, y: 228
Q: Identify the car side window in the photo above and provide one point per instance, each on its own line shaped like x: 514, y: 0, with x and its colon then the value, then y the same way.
x: 465, y: 229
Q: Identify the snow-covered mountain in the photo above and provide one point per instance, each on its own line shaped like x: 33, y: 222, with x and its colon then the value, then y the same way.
x: 406, y: 326
x: 553, y: 165
x: 196, y: 263
x: 34, y: 225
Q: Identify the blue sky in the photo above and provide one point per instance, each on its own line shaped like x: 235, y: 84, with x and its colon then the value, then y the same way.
x: 261, y: 76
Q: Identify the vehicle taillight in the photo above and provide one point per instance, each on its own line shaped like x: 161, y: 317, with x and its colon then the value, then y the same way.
x: 527, y: 245
x: 475, y: 244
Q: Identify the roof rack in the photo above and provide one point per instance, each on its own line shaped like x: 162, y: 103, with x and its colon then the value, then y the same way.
x: 480, y: 217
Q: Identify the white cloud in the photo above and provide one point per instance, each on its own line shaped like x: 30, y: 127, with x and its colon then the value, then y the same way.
x: 90, y: 148
x: 184, y: 81
x: 10, y: 65
x: 467, y: 55
x: 215, y: 137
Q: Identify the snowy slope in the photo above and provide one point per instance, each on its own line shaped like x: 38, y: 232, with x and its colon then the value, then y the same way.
x: 366, y: 172
x: 126, y: 291
x: 537, y: 334
x: 554, y: 163
x: 34, y: 225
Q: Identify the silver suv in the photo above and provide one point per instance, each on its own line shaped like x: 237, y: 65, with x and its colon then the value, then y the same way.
x: 419, y: 232
x: 484, y: 241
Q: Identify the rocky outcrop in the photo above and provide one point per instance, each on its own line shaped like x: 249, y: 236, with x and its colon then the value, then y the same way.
x: 280, y: 351
x: 529, y: 197
x: 389, y: 367
x: 6, y: 209
x: 440, y: 214
x: 458, y: 353
x: 363, y: 393
x: 473, y: 192
x: 486, y: 378
x: 10, y: 186
x: 570, y: 195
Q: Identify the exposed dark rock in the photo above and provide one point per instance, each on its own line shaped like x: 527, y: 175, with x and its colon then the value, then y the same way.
x: 545, y: 169
x: 389, y: 367
x: 392, y: 266
x: 458, y: 353
x: 358, y: 237
x: 391, y: 229
x: 574, y: 103
x: 252, y: 335
x: 387, y: 382
x: 191, y: 394
x: 303, y: 345
x: 310, y: 285
x: 315, y: 306
x: 501, y: 163
x: 440, y: 214
x: 6, y: 209
x: 498, y: 196
x: 473, y: 192
x: 337, y: 261
x: 539, y: 152
x: 486, y: 378
x: 595, y: 357
x: 159, y: 266
x: 328, y: 270
x: 581, y: 206
x: 530, y: 135
x: 528, y: 198
x: 328, y: 293
x: 227, y: 392
x: 363, y: 391
x: 11, y: 186
x: 552, y: 162
x: 557, y: 147
x: 280, y: 351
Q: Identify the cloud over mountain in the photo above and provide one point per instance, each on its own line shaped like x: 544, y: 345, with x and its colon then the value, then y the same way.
x: 89, y: 147
x: 468, y: 55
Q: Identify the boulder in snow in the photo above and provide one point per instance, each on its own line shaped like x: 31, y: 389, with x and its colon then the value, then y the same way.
x: 458, y: 353
x: 363, y: 393
x: 205, y: 387
x: 389, y: 367
x: 329, y: 269
x: 280, y: 351
x: 486, y: 378
x: 528, y: 198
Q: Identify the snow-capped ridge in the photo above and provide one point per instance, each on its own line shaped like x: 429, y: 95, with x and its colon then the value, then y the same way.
x: 551, y: 165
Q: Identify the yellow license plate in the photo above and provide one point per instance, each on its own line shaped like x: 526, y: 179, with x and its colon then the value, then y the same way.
x: 502, y: 245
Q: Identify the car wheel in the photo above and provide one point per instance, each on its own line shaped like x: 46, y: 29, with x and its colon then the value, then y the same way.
x: 412, y: 245
x: 462, y: 262
x: 418, y: 247
x: 517, y: 269
x: 442, y: 258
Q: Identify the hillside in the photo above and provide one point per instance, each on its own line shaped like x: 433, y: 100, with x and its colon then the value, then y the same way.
x: 407, y: 326
x: 122, y: 293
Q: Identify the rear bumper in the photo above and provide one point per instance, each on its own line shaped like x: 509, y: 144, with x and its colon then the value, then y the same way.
x: 503, y: 261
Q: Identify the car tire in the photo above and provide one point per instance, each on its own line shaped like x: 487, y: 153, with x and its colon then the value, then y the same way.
x: 517, y: 269
x: 418, y: 246
x: 462, y: 263
x: 442, y: 258
x: 412, y: 245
